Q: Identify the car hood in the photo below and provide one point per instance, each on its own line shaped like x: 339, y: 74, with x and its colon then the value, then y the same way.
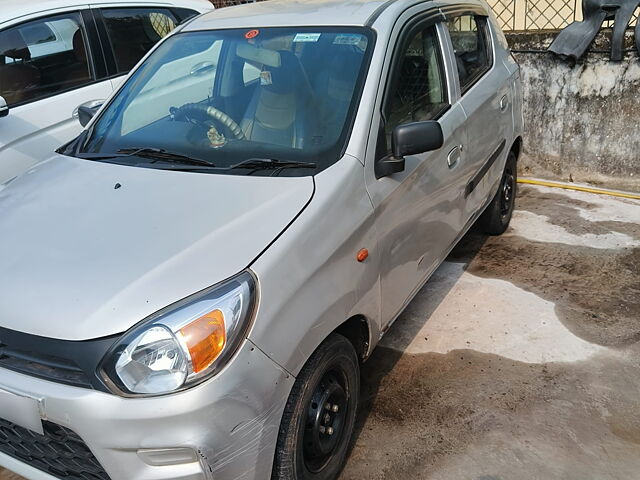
x: 90, y: 249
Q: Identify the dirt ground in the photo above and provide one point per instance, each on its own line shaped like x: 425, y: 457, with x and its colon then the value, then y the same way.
x: 520, y: 359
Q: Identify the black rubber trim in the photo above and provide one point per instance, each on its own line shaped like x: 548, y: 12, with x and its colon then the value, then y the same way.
x: 62, y: 361
x: 477, y: 178
x: 95, y: 48
x: 105, y: 44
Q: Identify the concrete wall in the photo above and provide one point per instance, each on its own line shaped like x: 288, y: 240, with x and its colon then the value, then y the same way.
x: 581, y: 120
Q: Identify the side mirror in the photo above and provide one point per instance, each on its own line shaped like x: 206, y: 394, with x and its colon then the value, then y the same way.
x: 4, y: 108
x: 85, y: 114
x: 87, y: 111
x: 409, y: 139
x: 416, y: 138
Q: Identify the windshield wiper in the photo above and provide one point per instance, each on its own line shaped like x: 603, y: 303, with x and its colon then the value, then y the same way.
x: 161, y: 154
x: 269, y: 164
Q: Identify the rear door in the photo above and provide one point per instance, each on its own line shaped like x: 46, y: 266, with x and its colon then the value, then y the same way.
x: 418, y: 211
x: 486, y: 100
x: 129, y: 32
x: 49, y: 65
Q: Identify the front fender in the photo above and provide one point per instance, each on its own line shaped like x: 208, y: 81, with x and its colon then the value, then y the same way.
x: 310, y: 280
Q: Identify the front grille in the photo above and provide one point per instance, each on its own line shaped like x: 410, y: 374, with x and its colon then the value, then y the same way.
x: 59, y: 452
x: 44, y: 366
x: 63, y: 361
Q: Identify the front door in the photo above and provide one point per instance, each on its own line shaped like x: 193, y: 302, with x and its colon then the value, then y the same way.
x: 46, y: 72
x: 418, y: 211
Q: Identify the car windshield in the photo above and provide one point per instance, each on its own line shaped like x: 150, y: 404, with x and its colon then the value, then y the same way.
x: 246, y: 101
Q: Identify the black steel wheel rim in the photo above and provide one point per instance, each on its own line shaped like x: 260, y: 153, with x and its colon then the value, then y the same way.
x: 325, y: 421
x: 507, y: 194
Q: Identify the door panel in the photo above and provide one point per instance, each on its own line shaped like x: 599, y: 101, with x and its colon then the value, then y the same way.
x: 418, y: 216
x: 419, y: 210
x: 486, y: 100
x: 46, y: 70
x: 32, y: 132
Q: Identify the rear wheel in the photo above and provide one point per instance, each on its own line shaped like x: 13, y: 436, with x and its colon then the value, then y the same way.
x: 320, y: 414
x: 496, y: 218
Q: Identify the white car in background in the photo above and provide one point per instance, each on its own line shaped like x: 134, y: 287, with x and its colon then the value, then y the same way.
x: 56, y: 56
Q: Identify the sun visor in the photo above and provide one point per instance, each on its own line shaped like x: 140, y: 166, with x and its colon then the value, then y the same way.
x: 264, y: 56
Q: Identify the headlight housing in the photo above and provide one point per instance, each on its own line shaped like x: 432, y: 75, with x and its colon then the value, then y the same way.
x: 183, y: 344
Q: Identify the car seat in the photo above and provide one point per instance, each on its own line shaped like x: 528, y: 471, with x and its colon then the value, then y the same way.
x: 17, y: 79
x: 280, y: 110
x: 79, y: 71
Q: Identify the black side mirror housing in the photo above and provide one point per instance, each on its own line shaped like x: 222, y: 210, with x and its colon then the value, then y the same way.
x: 4, y: 108
x: 416, y: 138
x: 409, y: 139
x: 85, y: 114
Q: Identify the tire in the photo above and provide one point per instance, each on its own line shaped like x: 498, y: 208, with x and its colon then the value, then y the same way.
x: 496, y: 218
x: 306, y: 448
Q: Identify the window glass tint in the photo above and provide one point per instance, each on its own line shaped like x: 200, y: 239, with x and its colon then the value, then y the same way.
x: 471, y: 43
x: 231, y: 95
x: 37, y: 33
x: 134, y: 31
x: 419, y: 88
x: 184, y: 14
x: 43, y: 57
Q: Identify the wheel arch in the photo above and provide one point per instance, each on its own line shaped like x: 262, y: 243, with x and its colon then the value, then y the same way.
x: 516, y: 148
x: 358, y: 331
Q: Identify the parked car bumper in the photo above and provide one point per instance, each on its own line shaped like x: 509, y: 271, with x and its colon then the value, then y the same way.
x: 225, y: 428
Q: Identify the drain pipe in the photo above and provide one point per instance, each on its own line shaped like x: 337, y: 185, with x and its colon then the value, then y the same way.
x: 578, y: 188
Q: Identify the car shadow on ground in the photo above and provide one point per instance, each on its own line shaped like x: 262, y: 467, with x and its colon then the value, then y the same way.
x: 383, y: 360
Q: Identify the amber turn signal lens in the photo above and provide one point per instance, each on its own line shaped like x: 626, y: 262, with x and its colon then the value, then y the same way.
x: 362, y: 255
x: 205, y: 338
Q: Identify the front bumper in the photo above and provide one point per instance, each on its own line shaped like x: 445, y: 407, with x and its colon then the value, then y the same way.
x: 225, y: 428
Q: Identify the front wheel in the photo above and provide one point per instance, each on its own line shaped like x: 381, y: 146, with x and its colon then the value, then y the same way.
x: 320, y: 414
x: 496, y: 218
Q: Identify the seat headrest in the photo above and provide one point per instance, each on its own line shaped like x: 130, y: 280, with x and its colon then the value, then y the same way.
x: 79, y: 49
x: 288, y: 77
x: 12, y: 45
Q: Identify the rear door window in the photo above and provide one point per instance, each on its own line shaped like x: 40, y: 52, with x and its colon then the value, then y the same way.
x: 44, y: 57
x: 471, y: 41
x: 133, y: 32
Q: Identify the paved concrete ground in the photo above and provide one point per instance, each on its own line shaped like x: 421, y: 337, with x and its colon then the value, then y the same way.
x: 519, y: 359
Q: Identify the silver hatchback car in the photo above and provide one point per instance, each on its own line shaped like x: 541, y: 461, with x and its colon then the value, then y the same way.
x: 188, y: 288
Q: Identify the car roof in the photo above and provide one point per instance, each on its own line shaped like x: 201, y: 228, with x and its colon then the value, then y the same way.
x: 14, y: 9
x: 282, y: 13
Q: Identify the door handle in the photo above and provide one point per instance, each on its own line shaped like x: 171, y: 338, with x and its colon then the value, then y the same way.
x: 504, y: 103
x: 454, y: 156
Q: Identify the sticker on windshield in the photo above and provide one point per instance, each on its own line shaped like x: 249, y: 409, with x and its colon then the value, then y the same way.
x: 306, y: 37
x: 345, y: 39
x: 251, y: 34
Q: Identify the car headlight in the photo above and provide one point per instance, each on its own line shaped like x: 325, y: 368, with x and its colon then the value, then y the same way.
x: 184, y: 343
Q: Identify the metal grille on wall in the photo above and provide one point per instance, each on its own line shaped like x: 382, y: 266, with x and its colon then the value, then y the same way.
x: 541, y: 14
x: 515, y: 15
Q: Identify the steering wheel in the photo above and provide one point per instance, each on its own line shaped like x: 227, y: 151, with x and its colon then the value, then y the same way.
x: 191, y: 111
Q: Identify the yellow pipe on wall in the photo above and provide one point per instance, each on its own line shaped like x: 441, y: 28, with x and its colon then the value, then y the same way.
x: 578, y: 188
